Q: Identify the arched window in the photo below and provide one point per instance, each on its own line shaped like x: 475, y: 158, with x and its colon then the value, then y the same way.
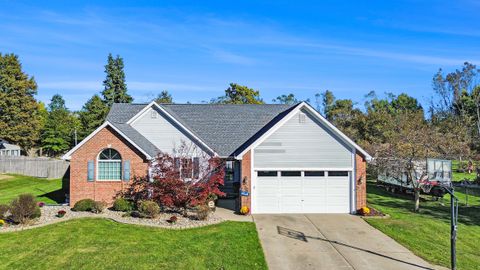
x: 109, y: 165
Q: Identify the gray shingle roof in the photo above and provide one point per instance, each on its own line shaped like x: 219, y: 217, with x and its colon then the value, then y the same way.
x: 138, y: 139
x: 122, y: 112
x: 226, y: 128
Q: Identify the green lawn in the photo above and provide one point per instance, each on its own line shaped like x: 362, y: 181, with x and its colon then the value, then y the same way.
x: 458, y: 176
x: 48, y: 191
x: 427, y: 233
x: 104, y: 244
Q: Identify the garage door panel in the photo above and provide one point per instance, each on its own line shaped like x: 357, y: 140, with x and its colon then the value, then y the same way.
x: 312, y: 186
x: 306, y: 194
x: 292, y: 204
x: 290, y: 186
x: 268, y: 186
x: 268, y: 205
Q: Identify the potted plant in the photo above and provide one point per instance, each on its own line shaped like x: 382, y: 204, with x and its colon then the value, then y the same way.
x: 365, y: 211
x: 244, y: 210
x: 61, y: 213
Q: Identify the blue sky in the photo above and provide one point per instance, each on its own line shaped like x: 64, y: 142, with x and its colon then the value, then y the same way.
x: 195, y: 50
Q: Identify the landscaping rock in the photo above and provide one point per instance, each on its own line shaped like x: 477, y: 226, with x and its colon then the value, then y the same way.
x: 49, y: 216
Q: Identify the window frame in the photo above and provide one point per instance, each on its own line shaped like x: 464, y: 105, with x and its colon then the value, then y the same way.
x: 193, y: 162
x: 312, y: 173
x: 339, y: 173
x: 266, y: 173
x: 229, y: 171
x: 290, y: 173
x: 98, y: 161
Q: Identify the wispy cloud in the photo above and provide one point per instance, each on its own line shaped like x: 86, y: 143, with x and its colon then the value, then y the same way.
x: 138, y: 86
x: 158, y: 86
x: 233, y: 58
x: 215, y: 34
x: 70, y: 85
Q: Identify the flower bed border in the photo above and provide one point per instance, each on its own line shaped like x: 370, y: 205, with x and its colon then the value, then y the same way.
x: 111, y: 215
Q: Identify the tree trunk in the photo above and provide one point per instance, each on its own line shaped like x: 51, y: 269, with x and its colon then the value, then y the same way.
x: 417, y: 199
x: 478, y: 117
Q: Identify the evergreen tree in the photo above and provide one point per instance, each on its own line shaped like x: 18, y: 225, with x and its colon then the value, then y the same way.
x: 57, y: 103
x: 289, y: 99
x: 19, y: 114
x: 57, y: 135
x: 327, y: 101
x: 239, y: 94
x: 164, y: 97
x: 92, y: 115
x: 115, y: 88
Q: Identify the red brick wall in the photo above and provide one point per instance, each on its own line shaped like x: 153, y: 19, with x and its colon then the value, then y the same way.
x: 361, y: 180
x: 80, y: 188
x: 246, y: 179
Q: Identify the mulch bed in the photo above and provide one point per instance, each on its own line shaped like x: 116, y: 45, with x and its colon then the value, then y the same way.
x: 374, y: 213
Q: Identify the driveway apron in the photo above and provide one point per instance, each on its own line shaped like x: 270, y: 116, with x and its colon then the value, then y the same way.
x: 330, y: 241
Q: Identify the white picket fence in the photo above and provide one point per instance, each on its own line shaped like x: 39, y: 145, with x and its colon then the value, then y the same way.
x: 34, y: 166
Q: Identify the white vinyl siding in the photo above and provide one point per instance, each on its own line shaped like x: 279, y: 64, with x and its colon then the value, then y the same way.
x: 303, y: 144
x: 165, y: 135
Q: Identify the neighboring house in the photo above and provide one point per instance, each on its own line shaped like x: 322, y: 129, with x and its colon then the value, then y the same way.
x: 280, y: 158
x: 8, y: 149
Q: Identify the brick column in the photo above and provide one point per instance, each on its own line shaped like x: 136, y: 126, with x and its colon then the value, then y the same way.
x: 361, y: 180
x: 246, y: 181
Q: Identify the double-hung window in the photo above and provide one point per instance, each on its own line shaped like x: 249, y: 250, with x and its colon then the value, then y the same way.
x: 188, y: 168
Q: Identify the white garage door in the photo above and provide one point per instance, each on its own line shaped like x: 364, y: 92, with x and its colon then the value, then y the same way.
x: 302, y: 192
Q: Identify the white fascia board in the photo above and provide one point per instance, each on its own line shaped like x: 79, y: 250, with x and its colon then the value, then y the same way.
x: 153, y: 103
x: 140, y: 113
x: 68, y: 155
x: 316, y: 114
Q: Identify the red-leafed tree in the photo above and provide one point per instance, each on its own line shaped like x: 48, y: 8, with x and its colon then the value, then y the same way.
x: 180, y: 180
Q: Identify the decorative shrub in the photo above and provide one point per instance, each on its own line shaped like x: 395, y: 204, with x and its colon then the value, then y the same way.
x: 173, y: 219
x: 24, y: 208
x: 364, y: 211
x: 179, y: 191
x: 202, y: 212
x: 61, y: 213
x: 4, y: 210
x: 244, y: 210
x: 2, y: 222
x: 123, y: 205
x: 98, y: 207
x: 84, y: 205
x: 212, y: 197
x: 41, y: 204
x: 149, y: 208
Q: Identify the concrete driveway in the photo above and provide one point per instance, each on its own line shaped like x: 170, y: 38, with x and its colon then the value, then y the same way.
x: 330, y: 241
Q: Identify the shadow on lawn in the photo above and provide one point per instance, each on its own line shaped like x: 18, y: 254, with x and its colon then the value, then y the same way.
x: 57, y: 195
x: 403, y: 202
x: 302, y: 237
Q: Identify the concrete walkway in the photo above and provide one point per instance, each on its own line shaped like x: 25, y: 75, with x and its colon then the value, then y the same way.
x: 330, y: 241
x: 227, y: 214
